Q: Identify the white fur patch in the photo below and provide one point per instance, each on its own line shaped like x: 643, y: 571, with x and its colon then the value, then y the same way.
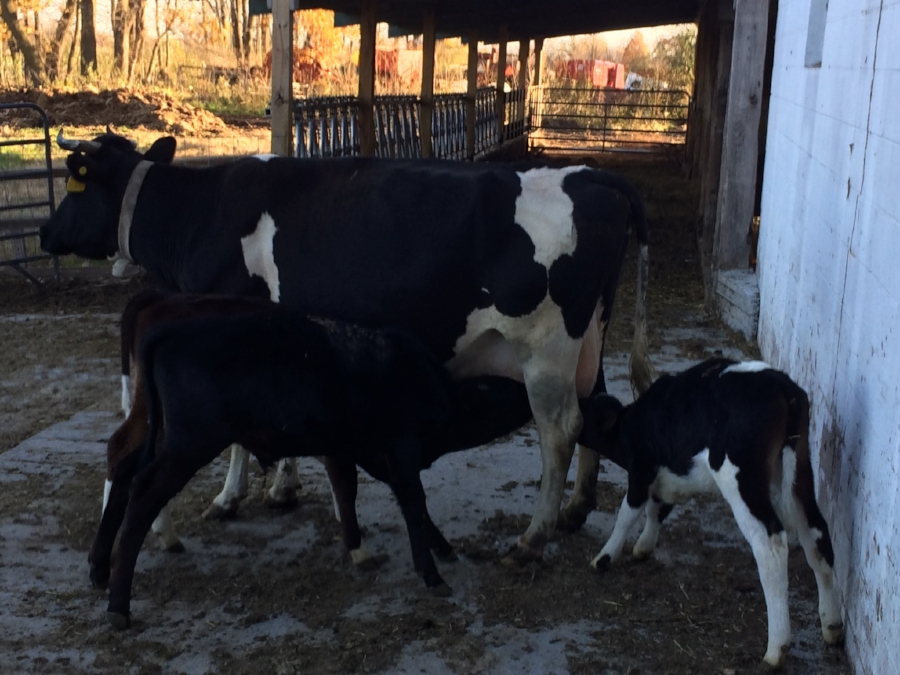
x: 747, y: 367
x: 126, y: 395
x: 264, y: 156
x: 259, y: 254
x: 674, y: 489
x: 544, y: 211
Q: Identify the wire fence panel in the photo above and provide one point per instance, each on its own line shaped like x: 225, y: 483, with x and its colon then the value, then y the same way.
x: 580, y: 119
x: 27, y: 198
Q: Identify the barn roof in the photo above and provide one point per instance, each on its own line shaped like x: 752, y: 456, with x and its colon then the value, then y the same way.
x: 523, y: 18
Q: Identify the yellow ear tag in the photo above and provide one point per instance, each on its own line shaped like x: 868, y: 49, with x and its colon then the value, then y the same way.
x: 74, y: 185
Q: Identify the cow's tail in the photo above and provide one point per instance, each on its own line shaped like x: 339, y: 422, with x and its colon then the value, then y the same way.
x: 128, y: 326
x: 640, y: 368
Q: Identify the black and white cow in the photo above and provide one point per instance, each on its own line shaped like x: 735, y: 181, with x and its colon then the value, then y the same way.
x: 277, y: 382
x: 498, y: 271
x: 741, y: 429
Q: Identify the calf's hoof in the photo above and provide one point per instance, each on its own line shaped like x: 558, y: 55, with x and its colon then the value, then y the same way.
x: 601, y: 562
x: 99, y: 576
x: 833, y: 634
x: 286, y: 500
x: 522, y: 554
x: 118, y: 621
x: 775, y: 656
x: 641, y: 556
x: 441, y: 590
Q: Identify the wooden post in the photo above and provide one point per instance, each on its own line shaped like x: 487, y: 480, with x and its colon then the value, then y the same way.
x: 471, y: 94
x: 282, y: 68
x: 524, y: 51
x: 367, y: 79
x: 427, y: 98
x: 537, y: 82
x: 501, y: 80
x: 737, y: 187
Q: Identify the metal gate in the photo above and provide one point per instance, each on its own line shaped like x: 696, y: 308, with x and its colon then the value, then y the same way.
x: 27, y: 198
x: 588, y: 119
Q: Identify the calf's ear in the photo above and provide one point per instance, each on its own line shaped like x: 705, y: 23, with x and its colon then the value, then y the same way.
x: 162, y: 150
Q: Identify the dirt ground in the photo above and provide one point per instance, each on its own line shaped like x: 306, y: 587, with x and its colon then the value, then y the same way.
x: 274, y: 592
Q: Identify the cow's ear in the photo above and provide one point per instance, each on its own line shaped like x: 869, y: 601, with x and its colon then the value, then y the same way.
x: 83, y: 167
x: 162, y: 150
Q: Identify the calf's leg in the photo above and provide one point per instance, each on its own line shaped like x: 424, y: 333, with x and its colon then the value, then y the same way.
x: 629, y: 512
x: 748, y: 496
x: 656, y: 513
x: 153, y: 487
x: 344, y: 486
x: 812, y: 531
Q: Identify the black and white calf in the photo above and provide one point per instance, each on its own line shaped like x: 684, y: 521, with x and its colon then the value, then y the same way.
x: 281, y: 384
x: 741, y: 429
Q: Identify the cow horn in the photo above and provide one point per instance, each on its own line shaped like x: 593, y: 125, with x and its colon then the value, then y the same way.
x: 73, y: 146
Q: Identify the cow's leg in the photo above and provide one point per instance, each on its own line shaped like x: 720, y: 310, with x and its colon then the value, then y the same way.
x: 551, y: 393
x: 812, y: 531
x: 283, y: 493
x: 344, y: 485
x: 748, y: 495
x: 226, y: 503
x: 656, y: 512
x: 584, y: 497
x: 632, y: 505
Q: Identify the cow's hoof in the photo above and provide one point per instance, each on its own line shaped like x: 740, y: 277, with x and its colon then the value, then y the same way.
x: 176, y: 547
x: 99, y: 576
x: 442, y: 590
x: 118, y: 621
x: 601, y: 563
x: 216, y: 512
x: 571, y: 519
x: 288, y: 500
x: 641, y: 556
x: 833, y: 634
x: 521, y: 555
x: 448, y: 556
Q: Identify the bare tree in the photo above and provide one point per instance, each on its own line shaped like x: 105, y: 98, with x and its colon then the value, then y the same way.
x: 34, y: 67
x: 55, y: 50
x: 88, y: 38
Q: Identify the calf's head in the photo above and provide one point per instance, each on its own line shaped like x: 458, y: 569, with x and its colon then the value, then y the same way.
x: 603, y: 415
x: 86, y: 222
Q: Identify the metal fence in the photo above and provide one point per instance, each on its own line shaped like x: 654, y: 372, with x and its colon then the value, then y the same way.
x: 589, y: 119
x: 28, y: 199
x: 329, y: 126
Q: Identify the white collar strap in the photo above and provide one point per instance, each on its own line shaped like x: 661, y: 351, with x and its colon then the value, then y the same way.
x: 129, y: 201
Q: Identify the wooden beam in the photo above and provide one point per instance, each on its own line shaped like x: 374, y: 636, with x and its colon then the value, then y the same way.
x: 501, y: 79
x: 427, y: 96
x: 740, y: 151
x: 282, y: 68
x: 367, y: 141
x: 537, y: 81
x: 471, y: 93
x: 522, y: 83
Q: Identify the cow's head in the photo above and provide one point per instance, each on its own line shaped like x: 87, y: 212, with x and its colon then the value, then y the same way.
x: 86, y: 222
x: 603, y: 415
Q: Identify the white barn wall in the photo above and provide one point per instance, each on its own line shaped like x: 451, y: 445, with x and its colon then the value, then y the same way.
x: 829, y: 274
